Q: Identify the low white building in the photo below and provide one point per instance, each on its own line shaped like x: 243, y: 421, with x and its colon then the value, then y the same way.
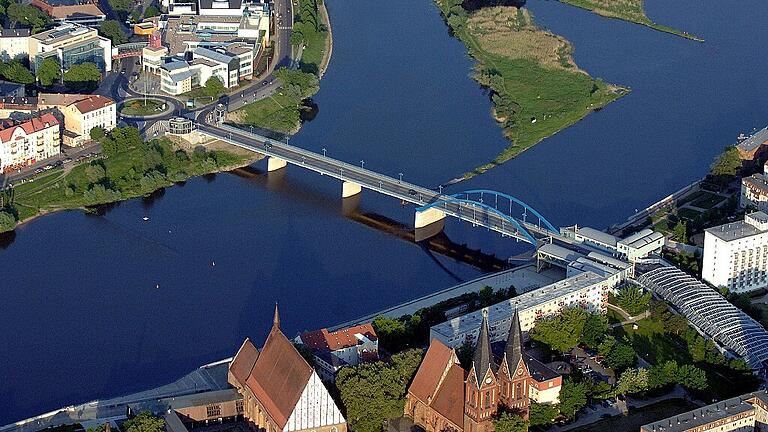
x: 14, y: 44
x: 640, y: 245
x: 29, y: 142
x: 586, y: 290
x: 736, y: 254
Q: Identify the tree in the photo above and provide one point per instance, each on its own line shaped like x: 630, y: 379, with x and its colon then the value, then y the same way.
x: 632, y: 299
x: 391, y: 332
x: 151, y: 11
x: 17, y: 72
x: 83, y: 76
x: 662, y: 375
x: 144, y: 422
x: 542, y: 414
x: 606, y: 346
x: 49, y: 71
x: 214, y: 87
x: 375, y: 392
x: 97, y: 133
x: 681, y: 231
x: 563, y: 332
x: 632, y: 381
x: 111, y: 29
x: 692, y: 377
x: 621, y: 356
x: 507, y: 422
x: 28, y: 15
x: 595, y: 328
x: 7, y: 221
x: 573, y: 397
x: 728, y: 163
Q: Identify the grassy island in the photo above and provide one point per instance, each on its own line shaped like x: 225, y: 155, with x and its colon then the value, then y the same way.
x: 627, y: 10
x: 280, y: 112
x: 129, y: 168
x: 537, y: 89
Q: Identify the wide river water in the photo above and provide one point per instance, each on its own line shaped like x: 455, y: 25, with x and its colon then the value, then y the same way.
x: 81, y: 313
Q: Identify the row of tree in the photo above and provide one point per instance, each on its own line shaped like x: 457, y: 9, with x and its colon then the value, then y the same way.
x: 80, y: 77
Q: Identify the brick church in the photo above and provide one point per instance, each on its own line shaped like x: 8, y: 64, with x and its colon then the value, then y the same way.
x: 445, y: 397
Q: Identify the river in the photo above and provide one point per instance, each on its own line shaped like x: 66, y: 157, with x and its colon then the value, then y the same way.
x: 94, y: 306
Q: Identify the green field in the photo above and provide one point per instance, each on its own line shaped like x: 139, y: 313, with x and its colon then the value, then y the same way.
x: 309, y: 24
x: 688, y: 213
x: 651, y: 343
x: 142, y: 108
x: 277, y: 113
x: 627, y: 10
x: 537, y: 89
x: 708, y: 201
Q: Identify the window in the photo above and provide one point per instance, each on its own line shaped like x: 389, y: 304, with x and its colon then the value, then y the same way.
x: 487, y: 399
x: 239, y: 406
x: 213, y: 410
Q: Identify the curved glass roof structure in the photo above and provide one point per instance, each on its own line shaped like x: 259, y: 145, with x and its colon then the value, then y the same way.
x: 711, y: 313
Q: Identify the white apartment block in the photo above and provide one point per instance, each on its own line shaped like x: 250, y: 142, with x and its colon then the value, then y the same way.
x: 14, y: 44
x: 29, y: 142
x: 71, y: 44
x: 736, y: 254
x: 586, y: 290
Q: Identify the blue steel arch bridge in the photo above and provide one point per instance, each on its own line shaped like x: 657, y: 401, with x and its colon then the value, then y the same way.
x: 493, y: 210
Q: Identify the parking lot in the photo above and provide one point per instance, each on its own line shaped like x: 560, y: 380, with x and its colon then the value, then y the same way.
x: 591, y: 365
x: 67, y: 156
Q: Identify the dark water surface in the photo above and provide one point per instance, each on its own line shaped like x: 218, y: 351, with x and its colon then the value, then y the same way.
x: 80, y: 313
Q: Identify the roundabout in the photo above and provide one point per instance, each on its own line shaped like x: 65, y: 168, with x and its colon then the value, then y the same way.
x: 145, y: 108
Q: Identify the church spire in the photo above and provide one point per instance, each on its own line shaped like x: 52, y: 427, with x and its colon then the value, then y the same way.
x: 276, y: 319
x: 514, y: 349
x: 482, y: 359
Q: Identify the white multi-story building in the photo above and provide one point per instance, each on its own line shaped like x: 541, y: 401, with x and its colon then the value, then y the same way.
x: 736, y: 254
x: 29, y: 142
x: 754, y: 192
x: 14, y: 44
x: 228, y: 65
x: 71, y: 44
x: 586, y: 290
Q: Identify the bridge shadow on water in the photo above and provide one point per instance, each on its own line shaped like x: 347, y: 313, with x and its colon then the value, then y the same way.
x: 439, y: 243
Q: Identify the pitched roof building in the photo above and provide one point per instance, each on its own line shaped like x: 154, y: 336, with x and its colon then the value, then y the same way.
x: 26, y: 143
x: 343, y: 347
x: 281, y: 391
x: 443, y: 396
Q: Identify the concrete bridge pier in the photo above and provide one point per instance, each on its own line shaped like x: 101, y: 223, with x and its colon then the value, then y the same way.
x: 350, y: 205
x: 349, y: 189
x: 274, y: 164
x: 428, y: 223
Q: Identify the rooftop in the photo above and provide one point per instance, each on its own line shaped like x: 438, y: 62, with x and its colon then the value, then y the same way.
x: 597, y: 235
x: 93, y: 103
x: 14, y: 32
x: 757, y: 181
x: 705, y: 415
x: 754, y: 141
x: 31, y: 126
x: 339, y: 339
x: 76, y: 11
x: 739, y: 229
x: 213, y: 55
x: 63, y: 32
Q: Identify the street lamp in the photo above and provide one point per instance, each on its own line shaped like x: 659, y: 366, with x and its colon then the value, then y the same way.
x: 440, y: 188
x: 341, y: 172
x: 401, y: 177
x: 324, y: 150
x: 362, y: 164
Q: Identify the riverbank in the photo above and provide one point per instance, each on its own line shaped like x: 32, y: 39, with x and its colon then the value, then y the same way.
x: 536, y: 87
x: 136, y: 169
x: 281, y: 111
x: 628, y: 10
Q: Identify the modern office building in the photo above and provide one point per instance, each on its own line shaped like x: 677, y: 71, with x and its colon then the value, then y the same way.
x: 585, y: 290
x: 736, y: 254
x: 71, y: 44
x: 183, y: 34
x: 734, y: 332
x: 745, y: 413
x: 25, y: 143
x: 228, y: 65
x: 344, y: 347
x: 14, y: 44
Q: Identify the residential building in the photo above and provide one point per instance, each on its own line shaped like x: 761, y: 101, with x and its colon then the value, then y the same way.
x: 734, y: 332
x: 754, y: 191
x: 280, y: 390
x: 14, y: 44
x: 71, y: 44
x: 81, y: 12
x: 343, y: 347
x: 754, y: 147
x: 11, y: 89
x: 736, y: 254
x: 29, y: 142
x: 585, y: 290
x: 745, y: 413
x: 88, y: 113
x: 445, y: 397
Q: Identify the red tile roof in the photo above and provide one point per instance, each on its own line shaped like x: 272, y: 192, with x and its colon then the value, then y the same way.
x: 31, y: 126
x: 324, y: 340
x: 449, y: 401
x: 93, y: 103
x: 425, y: 384
x: 279, y: 376
x: 244, y: 360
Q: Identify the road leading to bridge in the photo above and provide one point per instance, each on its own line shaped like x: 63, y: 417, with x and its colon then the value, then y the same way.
x: 476, y: 212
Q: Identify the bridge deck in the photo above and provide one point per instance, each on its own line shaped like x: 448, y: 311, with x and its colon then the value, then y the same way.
x: 409, y: 192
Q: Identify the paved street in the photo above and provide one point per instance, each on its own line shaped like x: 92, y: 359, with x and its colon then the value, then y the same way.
x: 67, y: 152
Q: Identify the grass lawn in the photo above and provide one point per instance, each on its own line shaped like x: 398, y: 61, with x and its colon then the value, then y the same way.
x: 638, y: 417
x: 707, y: 201
x: 277, y: 112
x: 627, y: 10
x: 689, y: 213
x: 651, y: 343
x: 316, y: 42
x: 142, y: 108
